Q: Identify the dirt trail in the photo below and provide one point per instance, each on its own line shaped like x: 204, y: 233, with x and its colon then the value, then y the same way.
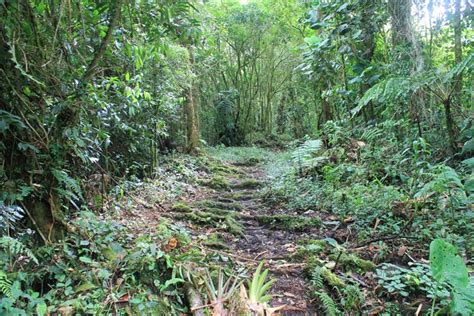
x: 260, y: 242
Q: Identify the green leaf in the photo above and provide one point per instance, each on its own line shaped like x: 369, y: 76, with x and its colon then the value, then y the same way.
x: 85, y: 287
x: 171, y: 282
x: 469, y: 162
x: 468, y: 147
x: 463, y: 301
x: 447, y: 265
x: 41, y: 309
x: 85, y: 259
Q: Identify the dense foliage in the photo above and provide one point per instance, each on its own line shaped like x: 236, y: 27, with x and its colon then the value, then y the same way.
x: 365, y: 108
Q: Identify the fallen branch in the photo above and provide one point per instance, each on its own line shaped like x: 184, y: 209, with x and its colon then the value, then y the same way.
x: 195, y: 302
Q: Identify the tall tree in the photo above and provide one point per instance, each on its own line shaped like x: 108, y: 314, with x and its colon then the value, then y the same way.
x: 406, y: 48
x: 192, y: 126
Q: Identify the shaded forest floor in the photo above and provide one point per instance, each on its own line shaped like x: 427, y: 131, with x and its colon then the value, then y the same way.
x: 335, y: 238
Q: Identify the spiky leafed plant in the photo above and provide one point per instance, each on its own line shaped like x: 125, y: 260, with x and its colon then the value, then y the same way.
x: 258, y: 288
x: 221, y: 292
x: 258, y: 297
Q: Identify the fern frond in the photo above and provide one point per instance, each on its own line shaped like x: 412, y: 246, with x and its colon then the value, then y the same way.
x: 16, y: 248
x: 372, y: 134
x: 389, y: 89
x: 317, y: 278
x: 329, y: 305
x: 71, y: 188
x: 5, y: 284
x: 306, y: 155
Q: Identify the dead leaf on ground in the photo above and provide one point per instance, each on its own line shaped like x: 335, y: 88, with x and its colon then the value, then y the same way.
x: 402, y: 250
x: 172, y: 244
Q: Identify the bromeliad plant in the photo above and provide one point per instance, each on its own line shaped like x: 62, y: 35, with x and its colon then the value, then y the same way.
x: 258, y: 297
x: 258, y: 288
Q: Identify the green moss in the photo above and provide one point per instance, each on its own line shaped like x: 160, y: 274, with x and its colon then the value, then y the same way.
x: 181, y: 208
x: 220, y: 205
x: 289, y: 223
x: 351, y: 261
x: 218, y: 211
x: 239, y: 196
x: 331, y: 278
x: 216, y: 183
x: 214, y: 218
x: 223, y: 169
x: 249, y: 162
x: 214, y: 240
x: 248, y: 184
x: 233, y: 226
x: 312, y: 247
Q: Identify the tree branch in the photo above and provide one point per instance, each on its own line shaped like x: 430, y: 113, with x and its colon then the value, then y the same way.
x: 105, y: 42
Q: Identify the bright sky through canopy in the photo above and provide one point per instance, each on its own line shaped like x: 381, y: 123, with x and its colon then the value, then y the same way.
x: 243, y: 2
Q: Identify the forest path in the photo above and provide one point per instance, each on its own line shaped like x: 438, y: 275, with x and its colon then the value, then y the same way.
x: 276, y: 246
x: 264, y: 237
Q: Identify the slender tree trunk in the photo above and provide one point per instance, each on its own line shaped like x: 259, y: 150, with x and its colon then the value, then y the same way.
x: 281, y: 115
x: 193, y: 137
x: 450, y: 125
x: 457, y: 45
x: 105, y: 42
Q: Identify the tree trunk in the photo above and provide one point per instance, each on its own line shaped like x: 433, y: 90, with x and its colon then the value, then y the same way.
x: 406, y: 50
x: 457, y: 46
x: 450, y: 125
x: 193, y: 137
x: 281, y: 126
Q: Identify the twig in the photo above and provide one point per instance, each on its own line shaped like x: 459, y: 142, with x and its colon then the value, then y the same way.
x: 366, y: 243
x: 419, y: 309
x: 290, y: 265
x: 258, y: 255
x: 194, y: 309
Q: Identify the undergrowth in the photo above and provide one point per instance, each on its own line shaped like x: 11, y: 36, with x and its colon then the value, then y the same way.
x: 388, y: 197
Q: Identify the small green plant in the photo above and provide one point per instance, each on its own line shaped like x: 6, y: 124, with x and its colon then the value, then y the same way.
x: 258, y: 288
x: 318, y: 277
x: 258, y: 297
x: 447, y: 266
x: 352, y: 297
x: 405, y: 281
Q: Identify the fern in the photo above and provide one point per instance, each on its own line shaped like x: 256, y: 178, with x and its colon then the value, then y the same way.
x: 372, y: 134
x: 389, y: 89
x: 71, y: 188
x: 306, y: 155
x: 328, y: 303
x: 317, y: 278
x: 5, y: 284
x: 16, y: 248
